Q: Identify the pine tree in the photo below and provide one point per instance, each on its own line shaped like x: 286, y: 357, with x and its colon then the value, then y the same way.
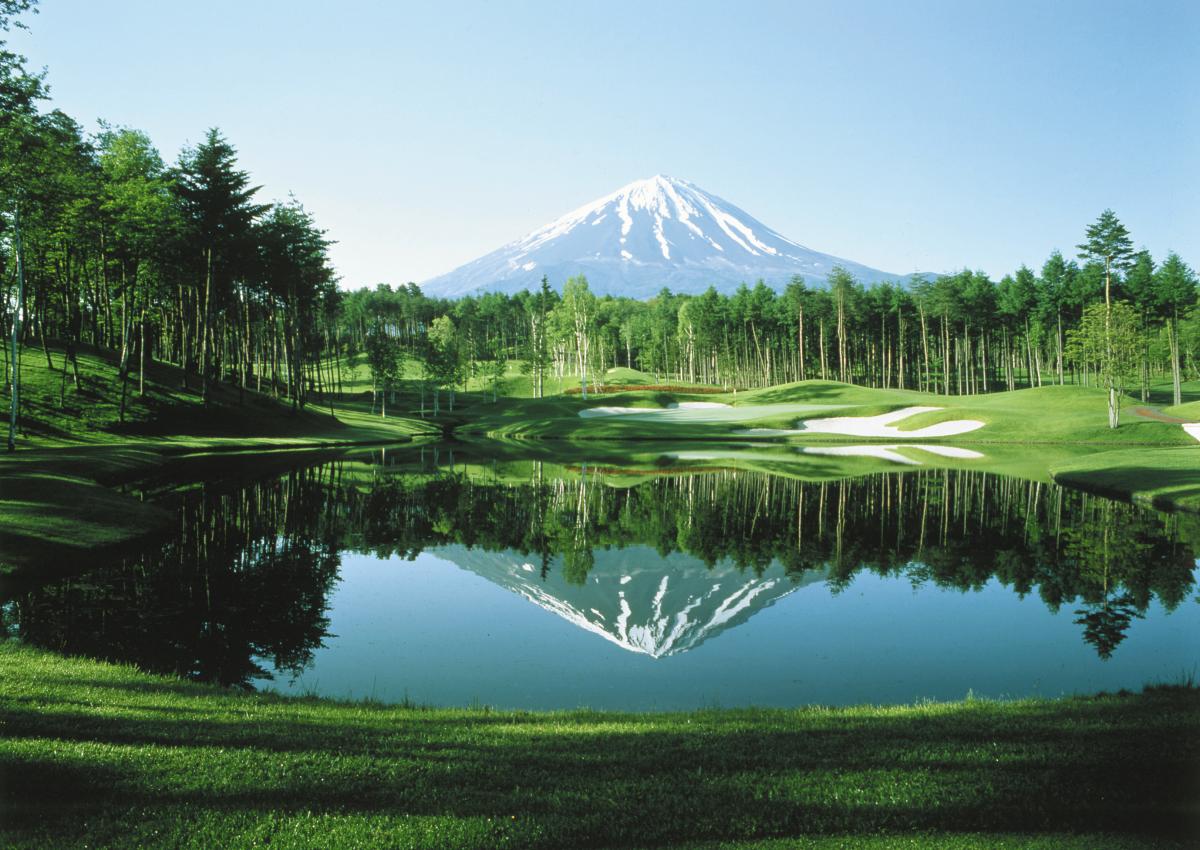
x: 217, y: 199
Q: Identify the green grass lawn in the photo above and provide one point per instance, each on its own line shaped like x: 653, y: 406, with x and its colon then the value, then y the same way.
x: 1164, y: 478
x: 1188, y: 410
x: 101, y: 755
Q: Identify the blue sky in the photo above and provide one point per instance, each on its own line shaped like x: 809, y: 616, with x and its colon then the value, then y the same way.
x: 916, y: 135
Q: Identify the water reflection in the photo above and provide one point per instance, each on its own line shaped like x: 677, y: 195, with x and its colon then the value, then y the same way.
x: 654, y: 561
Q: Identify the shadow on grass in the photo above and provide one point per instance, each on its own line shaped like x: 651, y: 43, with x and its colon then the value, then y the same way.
x: 1167, y: 488
x: 584, y: 779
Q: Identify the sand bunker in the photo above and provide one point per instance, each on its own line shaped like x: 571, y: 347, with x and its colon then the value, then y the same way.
x: 707, y: 412
x: 875, y: 426
x: 891, y: 452
x: 590, y: 412
x: 1193, y: 429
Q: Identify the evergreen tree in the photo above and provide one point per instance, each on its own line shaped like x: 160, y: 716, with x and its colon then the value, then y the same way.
x: 1175, y: 285
x: 217, y: 200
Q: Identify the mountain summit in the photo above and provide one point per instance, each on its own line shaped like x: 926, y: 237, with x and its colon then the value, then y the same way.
x: 652, y: 233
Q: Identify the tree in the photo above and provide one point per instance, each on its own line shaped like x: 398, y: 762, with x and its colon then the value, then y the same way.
x: 444, y: 359
x: 538, y: 308
x: 1109, y: 336
x: 580, y: 306
x: 295, y: 274
x: 1052, y: 297
x: 1175, y: 285
x: 497, y: 367
x: 217, y: 200
x: 138, y: 210
x: 383, y: 359
x: 841, y: 284
x: 1107, y: 242
x: 19, y: 136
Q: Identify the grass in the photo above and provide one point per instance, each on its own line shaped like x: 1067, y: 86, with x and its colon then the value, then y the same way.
x: 55, y: 413
x: 1188, y: 410
x: 101, y: 755
x: 1162, y: 478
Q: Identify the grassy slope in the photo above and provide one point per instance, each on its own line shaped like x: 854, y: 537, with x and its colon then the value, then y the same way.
x: 1188, y: 410
x: 101, y: 754
x: 54, y: 415
x: 53, y: 498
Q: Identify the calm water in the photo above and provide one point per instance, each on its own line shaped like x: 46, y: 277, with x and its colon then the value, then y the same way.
x: 451, y: 578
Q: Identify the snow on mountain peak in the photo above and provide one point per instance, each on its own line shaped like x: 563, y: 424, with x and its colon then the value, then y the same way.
x: 651, y: 233
x: 650, y: 612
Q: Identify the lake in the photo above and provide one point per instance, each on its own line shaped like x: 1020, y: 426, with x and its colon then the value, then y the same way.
x: 446, y: 575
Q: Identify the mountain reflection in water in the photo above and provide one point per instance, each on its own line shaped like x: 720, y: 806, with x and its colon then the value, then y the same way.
x: 656, y: 564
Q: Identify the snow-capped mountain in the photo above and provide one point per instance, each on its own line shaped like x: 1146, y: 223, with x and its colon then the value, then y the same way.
x: 652, y: 233
x: 637, y: 599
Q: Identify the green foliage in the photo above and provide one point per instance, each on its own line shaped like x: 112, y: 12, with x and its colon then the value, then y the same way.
x: 1107, y: 241
x: 1110, y: 339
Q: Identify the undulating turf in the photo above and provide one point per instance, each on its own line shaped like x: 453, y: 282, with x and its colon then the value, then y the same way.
x: 1164, y: 478
x: 103, y: 755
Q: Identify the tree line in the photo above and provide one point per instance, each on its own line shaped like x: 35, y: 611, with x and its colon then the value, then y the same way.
x: 957, y: 333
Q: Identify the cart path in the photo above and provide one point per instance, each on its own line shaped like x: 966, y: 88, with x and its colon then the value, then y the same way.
x: 1154, y: 414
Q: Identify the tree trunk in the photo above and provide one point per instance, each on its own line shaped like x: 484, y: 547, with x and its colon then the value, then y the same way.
x: 204, y: 328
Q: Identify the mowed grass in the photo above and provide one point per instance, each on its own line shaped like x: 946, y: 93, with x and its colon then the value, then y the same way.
x: 1163, y: 478
x: 1188, y: 410
x: 95, y: 754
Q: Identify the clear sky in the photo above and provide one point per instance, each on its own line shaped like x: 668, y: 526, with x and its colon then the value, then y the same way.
x: 914, y: 135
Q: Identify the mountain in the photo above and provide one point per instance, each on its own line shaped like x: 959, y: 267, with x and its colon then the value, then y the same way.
x: 652, y: 233
x: 637, y: 599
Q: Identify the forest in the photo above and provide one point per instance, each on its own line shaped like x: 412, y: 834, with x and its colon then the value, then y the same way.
x: 105, y: 243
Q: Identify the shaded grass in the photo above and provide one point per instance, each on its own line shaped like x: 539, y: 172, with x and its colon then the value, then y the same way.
x: 101, y: 754
x: 1162, y: 478
x: 54, y: 413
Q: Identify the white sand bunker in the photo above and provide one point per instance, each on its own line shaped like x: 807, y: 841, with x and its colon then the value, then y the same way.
x: 590, y: 412
x: 708, y: 412
x: 892, y: 452
x: 1193, y: 429
x: 875, y: 426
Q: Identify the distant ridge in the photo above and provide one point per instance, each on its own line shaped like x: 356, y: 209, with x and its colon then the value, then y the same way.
x: 652, y: 233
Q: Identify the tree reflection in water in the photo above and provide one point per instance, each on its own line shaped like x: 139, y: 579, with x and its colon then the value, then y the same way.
x: 243, y: 587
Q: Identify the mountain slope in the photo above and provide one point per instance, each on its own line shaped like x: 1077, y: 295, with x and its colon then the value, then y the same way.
x: 649, y: 234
